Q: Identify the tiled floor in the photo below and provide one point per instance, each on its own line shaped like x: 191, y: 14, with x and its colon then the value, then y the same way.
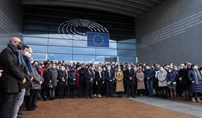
x: 100, y: 108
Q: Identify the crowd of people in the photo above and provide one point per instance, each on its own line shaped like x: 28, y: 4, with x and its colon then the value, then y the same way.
x: 24, y: 80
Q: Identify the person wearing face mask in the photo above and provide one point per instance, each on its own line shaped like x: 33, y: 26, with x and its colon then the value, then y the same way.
x: 184, y: 80
x: 162, y: 83
x: 171, y: 81
x: 27, y: 53
x: 54, y: 72
x: 140, y: 81
x: 119, y: 81
x: 196, y: 79
x: 82, y: 81
x: 47, y: 84
x: 62, y: 78
x: 130, y: 80
x: 72, y: 76
x: 12, y: 79
x: 104, y: 85
x: 109, y: 76
x: 89, y: 82
x: 149, y: 75
x: 99, y: 75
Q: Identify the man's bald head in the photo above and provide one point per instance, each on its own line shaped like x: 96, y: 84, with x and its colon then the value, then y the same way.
x: 15, y: 41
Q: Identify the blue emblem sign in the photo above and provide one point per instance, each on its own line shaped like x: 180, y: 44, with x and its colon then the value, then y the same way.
x: 97, y: 39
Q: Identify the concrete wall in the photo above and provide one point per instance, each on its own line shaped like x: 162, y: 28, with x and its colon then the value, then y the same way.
x: 10, y: 20
x: 171, y: 32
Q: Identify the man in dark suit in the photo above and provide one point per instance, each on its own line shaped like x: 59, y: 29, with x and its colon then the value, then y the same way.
x: 82, y: 81
x: 109, y: 76
x: 89, y: 82
x: 130, y: 81
x: 11, y: 79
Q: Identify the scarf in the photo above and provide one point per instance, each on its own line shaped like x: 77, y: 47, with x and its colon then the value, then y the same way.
x: 21, y: 61
x: 30, y: 69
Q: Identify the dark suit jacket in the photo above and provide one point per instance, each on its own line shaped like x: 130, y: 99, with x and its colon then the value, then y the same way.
x: 129, y: 74
x: 88, y: 75
x: 107, y: 77
x: 13, y: 73
x: 98, y: 78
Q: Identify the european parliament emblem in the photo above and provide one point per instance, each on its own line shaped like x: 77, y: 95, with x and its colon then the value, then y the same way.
x: 98, y: 39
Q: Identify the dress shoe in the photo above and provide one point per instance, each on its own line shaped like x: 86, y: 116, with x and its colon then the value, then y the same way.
x: 31, y: 109
x: 20, y: 116
x: 35, y: 106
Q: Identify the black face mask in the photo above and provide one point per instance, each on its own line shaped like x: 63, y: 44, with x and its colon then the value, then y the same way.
x: 19, y: 46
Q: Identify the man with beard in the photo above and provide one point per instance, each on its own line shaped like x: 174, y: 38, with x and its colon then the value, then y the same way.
x: 13, y: 76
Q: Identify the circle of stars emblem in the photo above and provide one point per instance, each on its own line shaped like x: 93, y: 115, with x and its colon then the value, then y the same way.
x: 98, y: 40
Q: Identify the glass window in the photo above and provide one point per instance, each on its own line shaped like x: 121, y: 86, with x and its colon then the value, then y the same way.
x: 77, y: 43
x: 39, y: 56
x: 127, y: 59
x: 35, y: 40
x: 56, y: 49
x: 128, y: 41
x: 35, y: 26
x: 4, y: 40
x: 56, y: 35
x: 106, y: 58
x: 60, y: 57
x: 2, y: 47
x: 35, y: 33
x: 90, y: 51
x: 126, y: 46
x: 106, y: 52
x: 100, y: 58
x: 112, y: 45
x: 37, y: 48
x: 87, y: 58
x: 60, y: 42
x: 127, y: 53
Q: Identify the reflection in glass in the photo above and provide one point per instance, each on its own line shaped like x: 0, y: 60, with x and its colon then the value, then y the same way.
x: 86, y: 58
x: 60, y: 42
x: 39, y: 56
x: 90, y: 51
x: 128, y: 53
x: 37, y: 48
x: 126, y: 46
x: 35, y: 33
x: 106, y: 52
x: 56, y: 49
x: 60, y: 57
x: 35, y: 40
x: 127, y: 59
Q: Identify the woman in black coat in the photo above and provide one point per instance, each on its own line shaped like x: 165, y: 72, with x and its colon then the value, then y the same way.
x: 72, y: 82
x: 99, y: 75
x: 62, y: 78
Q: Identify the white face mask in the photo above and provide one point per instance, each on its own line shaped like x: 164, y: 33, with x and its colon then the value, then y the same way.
x: 28, y: 54
x: 63, y: 69
x: 195, y: 67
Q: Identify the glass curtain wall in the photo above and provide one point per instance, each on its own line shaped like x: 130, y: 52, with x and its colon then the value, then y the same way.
x: 42, y: 32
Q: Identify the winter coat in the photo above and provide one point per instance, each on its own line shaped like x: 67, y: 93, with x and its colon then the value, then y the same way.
x: 119, y: 81
x: 140, y: 80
